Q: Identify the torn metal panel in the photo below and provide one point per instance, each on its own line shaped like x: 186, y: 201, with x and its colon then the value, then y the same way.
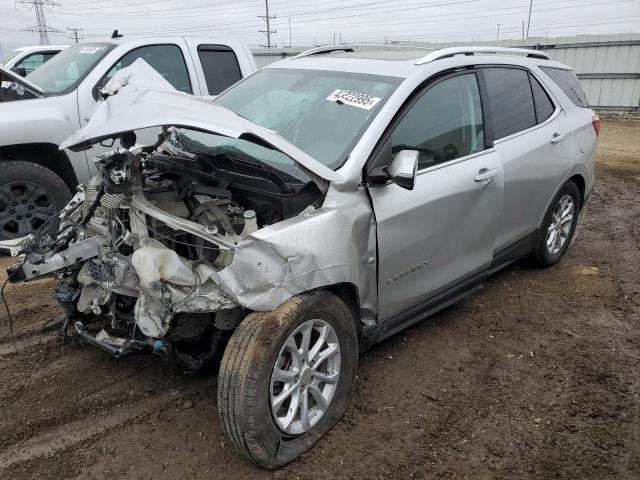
x: 76, y: 253
x: 318, y: 248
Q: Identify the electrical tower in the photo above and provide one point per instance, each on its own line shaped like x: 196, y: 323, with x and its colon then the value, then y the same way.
x: 40, y: 6
x: 268, y: 19
x: 74, y: 34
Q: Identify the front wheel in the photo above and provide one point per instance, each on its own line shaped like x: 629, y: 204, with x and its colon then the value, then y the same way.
x: 287, y: 377
x: 558, y: 226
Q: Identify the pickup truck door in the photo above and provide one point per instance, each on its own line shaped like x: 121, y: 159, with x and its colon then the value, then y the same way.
x: 219, y: 66
x: 442, y: 231
x: 171, y: 58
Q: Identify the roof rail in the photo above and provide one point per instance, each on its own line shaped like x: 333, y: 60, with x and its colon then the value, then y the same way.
x: 324, y: 49
x: 451, y: 51
x: 353, y: 47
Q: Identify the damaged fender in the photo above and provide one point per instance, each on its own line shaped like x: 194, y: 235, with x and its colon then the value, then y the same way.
x: 318, y: 248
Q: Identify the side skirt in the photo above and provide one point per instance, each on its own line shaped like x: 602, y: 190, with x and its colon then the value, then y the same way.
x: 376, y: 332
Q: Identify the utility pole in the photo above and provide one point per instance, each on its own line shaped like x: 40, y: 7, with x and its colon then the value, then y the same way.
x: 523, y: 33
x: 498, y: 34
x: 40, y: 6
x: 74, y: 35
x: 268, y: 19
x: 289, y: 32
x: 529, y: 19
x: 340, y: 41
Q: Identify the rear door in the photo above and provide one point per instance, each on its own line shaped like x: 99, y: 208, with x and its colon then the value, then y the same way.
x: 442, y: 231
x: 531, y: 134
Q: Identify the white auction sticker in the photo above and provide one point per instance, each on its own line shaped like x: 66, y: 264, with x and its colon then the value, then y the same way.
x: 90, y: 50
x: 355, y: 99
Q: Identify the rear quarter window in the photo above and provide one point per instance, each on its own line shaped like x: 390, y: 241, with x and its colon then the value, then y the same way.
x: 569, y: 84
x: 544, y: 105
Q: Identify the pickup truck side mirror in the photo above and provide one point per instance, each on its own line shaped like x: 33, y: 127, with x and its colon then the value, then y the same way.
x: 402, y: 171
x: 95, y: 91
x: 20, y: 71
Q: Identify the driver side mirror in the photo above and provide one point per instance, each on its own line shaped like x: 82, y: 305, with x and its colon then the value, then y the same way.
x: 20, y: 71
x: 402, y: 171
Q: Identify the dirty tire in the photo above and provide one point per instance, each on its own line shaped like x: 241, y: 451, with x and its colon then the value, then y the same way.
x: 541, y: 256
x: 245, y: 374
x: 17, y: 172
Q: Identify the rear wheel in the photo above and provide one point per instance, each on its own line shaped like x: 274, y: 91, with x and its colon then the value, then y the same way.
x: 558, y: 226
x: 287, y: 377
x: 29, y: 195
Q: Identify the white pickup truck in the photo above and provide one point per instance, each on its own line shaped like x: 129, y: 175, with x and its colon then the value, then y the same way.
x: 39, y: 112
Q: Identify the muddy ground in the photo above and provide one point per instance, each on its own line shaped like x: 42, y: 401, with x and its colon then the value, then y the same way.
x: 536, y: 376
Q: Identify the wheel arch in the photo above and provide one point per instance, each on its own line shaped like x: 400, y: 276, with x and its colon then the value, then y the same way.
x: 348, y: 293
x: 578, y: 179
x: 44, y: 154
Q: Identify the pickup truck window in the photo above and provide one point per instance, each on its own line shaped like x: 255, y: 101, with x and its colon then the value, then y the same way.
x: 165, y: 59
x: 220, y: 66
x: 64, y: 72
x: 33, y: 61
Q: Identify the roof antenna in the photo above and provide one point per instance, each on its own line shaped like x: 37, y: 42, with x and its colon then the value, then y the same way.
x: 115, y: 34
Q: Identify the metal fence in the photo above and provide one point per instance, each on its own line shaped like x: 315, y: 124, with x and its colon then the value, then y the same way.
x: 608, y: 65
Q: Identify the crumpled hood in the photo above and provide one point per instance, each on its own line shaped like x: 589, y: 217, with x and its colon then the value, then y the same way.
x: 133, y: 104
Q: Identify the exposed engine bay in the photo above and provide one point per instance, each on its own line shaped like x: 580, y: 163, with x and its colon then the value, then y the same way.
x: 137, y: 250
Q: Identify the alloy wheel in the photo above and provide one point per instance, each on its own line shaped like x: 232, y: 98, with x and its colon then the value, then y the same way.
x: 305, y: 376
x: 561, y: 222
x: 24, y: 207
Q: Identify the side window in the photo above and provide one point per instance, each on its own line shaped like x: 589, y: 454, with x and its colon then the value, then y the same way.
x: 445, y: 123
x: 33, y: 61
x: 569, y: 84
x: 165, y: 59
x: 220, y: 65
x: 510, y: 100
x: 544, y: 106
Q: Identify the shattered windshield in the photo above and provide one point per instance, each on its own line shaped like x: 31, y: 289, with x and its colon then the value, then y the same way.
x: 64, y: 71
x: 322, y: 113
x: 193, y: 142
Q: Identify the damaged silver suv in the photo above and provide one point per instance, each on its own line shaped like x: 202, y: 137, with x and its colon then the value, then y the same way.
x: 319, y: 206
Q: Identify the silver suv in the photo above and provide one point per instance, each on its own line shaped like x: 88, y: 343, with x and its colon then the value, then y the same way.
x: 317, y: 207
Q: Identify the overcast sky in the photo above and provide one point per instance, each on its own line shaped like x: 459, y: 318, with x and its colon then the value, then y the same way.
x: 314, y: 21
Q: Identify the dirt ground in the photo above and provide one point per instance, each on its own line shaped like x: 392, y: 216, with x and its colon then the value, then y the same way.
x: 536, y: 376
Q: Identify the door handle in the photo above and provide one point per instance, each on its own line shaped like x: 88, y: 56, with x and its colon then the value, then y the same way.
x: 558, y: 137
x: 485, y: 174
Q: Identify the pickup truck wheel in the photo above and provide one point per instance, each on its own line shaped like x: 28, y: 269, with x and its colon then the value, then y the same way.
x: 287, y: 377
x: 558, y: 226
x: 29, y: 195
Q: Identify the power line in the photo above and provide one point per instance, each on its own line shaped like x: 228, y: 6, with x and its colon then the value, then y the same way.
x: 267, y: 19
x: 529, y: 18
x: 74, y: 35
x: 39, y: 7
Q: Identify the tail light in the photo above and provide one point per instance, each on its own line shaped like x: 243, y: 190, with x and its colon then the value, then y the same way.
x: 595, y: 121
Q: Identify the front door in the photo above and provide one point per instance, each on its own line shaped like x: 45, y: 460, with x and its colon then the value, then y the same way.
x: 443, y: 230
